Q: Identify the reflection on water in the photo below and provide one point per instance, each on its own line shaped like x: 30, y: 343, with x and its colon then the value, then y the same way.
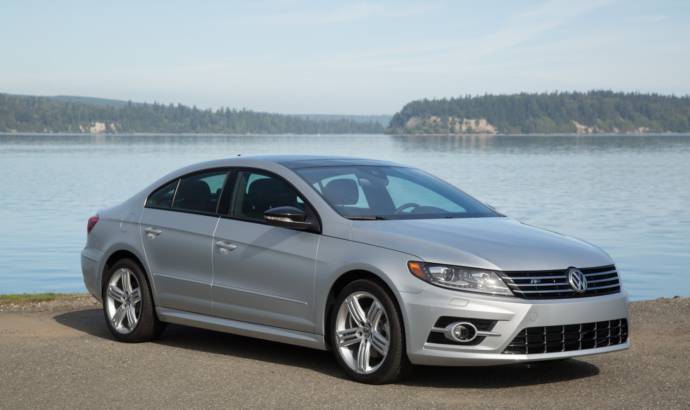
x: 627, y: 194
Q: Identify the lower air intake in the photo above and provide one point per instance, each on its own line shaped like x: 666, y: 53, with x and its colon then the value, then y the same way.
x: 566, y: 338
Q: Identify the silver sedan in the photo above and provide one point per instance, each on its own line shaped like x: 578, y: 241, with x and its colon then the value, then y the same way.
x: 383, y: 264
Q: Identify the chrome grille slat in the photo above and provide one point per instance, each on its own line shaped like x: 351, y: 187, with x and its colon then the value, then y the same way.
x: 539, y: 277
x: 617, y: 285
x: 537, y: 284
x: 602, y: 280
x: 565, y: 290
x: 601, y: 273
x: 512, y: 284
x: 554, y: 284
x: 544, y: 291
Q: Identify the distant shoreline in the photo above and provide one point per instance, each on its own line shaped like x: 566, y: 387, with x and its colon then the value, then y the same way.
x: 597, y: 112
x: 188, y: 134
x: 554, y: 134
x: 165, y: 134
x: 592, y: 112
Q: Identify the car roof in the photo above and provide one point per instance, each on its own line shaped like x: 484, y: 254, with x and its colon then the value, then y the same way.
x: 308, y: 161
x: 269, y: 162
x: 294, y: 161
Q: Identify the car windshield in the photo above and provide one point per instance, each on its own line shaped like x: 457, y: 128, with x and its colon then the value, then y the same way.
x: 391, y: 192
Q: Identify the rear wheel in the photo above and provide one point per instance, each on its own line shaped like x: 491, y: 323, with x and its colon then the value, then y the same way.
x: 127, y: 304
x: 367, y: 333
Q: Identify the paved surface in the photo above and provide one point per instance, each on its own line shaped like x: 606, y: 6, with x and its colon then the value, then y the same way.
x: 66, y: 359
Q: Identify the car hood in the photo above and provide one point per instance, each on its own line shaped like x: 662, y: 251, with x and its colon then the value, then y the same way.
x: 490, y: 243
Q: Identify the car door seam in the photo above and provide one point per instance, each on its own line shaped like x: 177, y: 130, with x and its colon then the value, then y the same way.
x: 314, y: 281
x: 180, y: 278
x: 254, y: 292
x: 213, y: 265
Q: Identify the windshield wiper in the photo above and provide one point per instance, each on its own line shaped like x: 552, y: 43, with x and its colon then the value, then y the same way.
x: 366, y: 218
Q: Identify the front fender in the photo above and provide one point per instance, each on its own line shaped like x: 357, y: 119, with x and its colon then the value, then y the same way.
x: 337, y: 257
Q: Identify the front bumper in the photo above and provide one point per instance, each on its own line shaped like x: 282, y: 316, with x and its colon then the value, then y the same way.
x: 422, y: 310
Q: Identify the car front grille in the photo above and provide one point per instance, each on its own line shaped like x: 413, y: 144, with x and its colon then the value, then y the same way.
x: 553, y: 284
x: 566, y: 338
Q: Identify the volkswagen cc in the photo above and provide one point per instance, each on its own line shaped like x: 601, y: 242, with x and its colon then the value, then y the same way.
x: 383, y: 264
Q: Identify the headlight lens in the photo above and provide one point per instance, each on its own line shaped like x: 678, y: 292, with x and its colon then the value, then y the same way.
x: 460, y: 278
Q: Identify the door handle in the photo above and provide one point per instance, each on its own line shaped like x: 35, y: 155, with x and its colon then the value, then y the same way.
x: 225, y: 247
x: 152, y: 233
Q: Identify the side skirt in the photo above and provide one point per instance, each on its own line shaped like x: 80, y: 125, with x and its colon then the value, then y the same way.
x: 274, y: 334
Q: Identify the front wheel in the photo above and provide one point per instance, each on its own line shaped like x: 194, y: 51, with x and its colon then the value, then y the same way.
x: 367, y: 333
x: 127, y: 304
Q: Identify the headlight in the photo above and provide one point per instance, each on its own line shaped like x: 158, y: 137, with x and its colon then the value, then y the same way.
x: 460, y: 278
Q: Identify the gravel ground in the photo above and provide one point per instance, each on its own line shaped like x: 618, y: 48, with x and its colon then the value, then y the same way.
x: 61, y: 303
x: 59, y: 355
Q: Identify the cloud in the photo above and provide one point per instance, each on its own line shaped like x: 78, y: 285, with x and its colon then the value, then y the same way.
x: 648, y: 19
x: 470, y: 54
x: 532, y: 23
x: 344, y: 14
x: 425, y: 58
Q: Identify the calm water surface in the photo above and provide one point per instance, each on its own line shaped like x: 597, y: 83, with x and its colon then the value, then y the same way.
x: 628, y: 194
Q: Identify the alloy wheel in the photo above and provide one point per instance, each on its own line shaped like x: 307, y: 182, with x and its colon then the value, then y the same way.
x: 123, y: 301
x: 362, y: 332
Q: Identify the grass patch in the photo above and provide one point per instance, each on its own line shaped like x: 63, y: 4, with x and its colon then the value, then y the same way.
x: 36, y: 297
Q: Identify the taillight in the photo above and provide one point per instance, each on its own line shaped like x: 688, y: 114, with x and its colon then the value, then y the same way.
x: 91, y: 223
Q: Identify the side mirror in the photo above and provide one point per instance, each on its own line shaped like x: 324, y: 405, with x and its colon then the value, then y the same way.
x: 288, y: 217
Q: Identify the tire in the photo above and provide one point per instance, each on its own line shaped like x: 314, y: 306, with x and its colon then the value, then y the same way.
x: 138, y: 324
x: 357, y: 343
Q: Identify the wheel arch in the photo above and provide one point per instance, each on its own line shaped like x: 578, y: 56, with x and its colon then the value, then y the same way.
x: 119, y: 253
x: 343, y: 280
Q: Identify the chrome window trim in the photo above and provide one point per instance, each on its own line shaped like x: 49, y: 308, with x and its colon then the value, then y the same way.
x: 228, y: 171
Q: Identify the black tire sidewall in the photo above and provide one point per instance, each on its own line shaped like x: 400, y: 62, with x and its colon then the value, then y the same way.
x: 392, y: 367
x: 148, y: 327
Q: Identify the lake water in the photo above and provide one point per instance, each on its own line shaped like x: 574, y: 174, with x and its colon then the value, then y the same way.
x: 628, y: 194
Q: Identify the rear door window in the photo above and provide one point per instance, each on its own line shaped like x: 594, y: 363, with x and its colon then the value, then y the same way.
x: 163, y: 196
x: 200, y: 192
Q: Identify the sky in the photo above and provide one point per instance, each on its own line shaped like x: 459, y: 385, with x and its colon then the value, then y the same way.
x: 359, y: 57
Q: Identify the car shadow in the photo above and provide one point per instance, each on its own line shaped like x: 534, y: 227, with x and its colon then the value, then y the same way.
x: 494, y: 377
x: 91, y: 322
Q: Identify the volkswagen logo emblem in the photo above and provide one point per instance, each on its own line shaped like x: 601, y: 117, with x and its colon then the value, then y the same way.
x: 577, y: 280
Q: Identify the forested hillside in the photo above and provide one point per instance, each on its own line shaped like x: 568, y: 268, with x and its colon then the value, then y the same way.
x: 384, y: 120
x: 78, y: 114
x: 568, y: 112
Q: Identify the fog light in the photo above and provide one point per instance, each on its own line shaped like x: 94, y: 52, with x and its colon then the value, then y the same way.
x: 461, y: 332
